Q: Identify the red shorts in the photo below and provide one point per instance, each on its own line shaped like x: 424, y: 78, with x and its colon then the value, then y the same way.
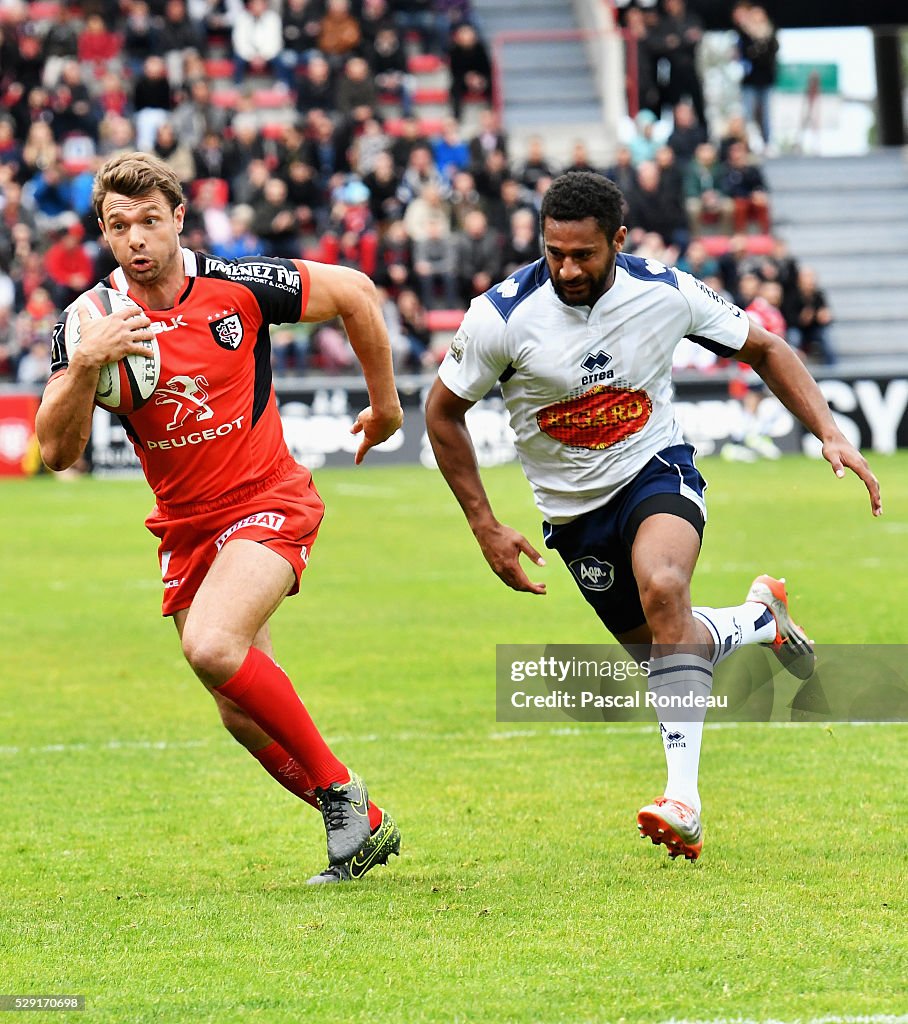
x: 284, y: 512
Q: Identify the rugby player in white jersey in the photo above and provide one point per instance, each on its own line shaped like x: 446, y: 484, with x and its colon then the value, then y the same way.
x: 581, y: 342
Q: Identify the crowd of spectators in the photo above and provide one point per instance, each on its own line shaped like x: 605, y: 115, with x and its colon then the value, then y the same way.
x: 293, y: 132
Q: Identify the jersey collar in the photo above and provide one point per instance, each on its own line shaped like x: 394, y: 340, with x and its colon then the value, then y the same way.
x: 190, y: 268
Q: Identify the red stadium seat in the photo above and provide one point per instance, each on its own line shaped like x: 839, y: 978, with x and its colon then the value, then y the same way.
x: 435, y: 96
x: 43, y: 10
x: 757, y: 245
x: 218, y: 67
x: 428, y: 126
x: 270, y: 99
x: 225, y: 97
x: 424, y: 64
x: 443, y: 319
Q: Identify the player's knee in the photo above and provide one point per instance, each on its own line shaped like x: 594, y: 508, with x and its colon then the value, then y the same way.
x: 212, y: 659
x: 664, y: 593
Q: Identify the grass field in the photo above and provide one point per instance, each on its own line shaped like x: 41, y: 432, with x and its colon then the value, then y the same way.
x: 148, y: 863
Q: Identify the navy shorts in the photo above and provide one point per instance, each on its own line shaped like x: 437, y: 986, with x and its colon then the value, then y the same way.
x: 596, y: 547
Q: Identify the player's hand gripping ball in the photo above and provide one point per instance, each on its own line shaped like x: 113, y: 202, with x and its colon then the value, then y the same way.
x: 125, y: 386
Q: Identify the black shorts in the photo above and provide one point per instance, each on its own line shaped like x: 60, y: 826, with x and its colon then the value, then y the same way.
x: 596, y: 546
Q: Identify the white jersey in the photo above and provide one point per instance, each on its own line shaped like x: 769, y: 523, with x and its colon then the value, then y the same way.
x: 588, y: 390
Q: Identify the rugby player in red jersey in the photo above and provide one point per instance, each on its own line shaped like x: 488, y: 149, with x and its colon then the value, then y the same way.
x: 235, y: 515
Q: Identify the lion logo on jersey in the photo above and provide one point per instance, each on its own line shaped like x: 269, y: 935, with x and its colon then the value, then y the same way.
x: 187, y: 395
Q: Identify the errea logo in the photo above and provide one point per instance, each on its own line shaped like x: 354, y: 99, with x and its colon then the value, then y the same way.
x: 508, y: 289
x: 595, y: 364
x: 655, y: 267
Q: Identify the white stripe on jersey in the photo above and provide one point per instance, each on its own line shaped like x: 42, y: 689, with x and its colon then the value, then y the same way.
x: 589, y: 391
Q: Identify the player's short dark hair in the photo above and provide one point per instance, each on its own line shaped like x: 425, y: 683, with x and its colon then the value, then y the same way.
x: 581, y: 194
x: 133, y: 175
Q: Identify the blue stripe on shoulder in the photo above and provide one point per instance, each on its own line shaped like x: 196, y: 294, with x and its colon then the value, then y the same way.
x: 647, y: 270
x: 508, y: 295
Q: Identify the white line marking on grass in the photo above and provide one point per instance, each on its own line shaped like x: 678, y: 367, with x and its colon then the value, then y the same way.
x: 632, y: 727
x: 591, y: 729
x: 67, y: 748
x: 878, y: 1018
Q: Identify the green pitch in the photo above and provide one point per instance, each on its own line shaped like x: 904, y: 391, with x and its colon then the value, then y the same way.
x: 148, y: 863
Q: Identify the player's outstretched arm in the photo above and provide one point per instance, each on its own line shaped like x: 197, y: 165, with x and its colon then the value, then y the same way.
x: 790, y: 382
x: 349, y: 294
x: 501, y: 545
x: 63, y: 423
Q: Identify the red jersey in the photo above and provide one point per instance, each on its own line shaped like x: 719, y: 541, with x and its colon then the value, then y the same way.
x: 212, y: 426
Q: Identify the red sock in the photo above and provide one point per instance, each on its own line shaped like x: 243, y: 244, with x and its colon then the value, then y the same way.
x: 291, y: 775
x: 287, y: 771
x: 264, y: 691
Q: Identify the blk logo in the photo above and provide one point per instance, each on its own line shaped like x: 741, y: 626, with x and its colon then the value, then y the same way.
x: 597, y: 361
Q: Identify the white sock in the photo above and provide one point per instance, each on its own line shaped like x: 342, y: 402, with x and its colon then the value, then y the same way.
x: 731, y: 628
x: 679, y: 674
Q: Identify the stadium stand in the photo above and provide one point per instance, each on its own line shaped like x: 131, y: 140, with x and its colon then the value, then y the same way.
x: 318, y: 153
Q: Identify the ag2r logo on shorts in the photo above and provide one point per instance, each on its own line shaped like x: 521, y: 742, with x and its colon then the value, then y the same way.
x: 592, y: 573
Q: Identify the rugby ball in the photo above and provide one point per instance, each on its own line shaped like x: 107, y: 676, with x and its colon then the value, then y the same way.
x: 125, y: 386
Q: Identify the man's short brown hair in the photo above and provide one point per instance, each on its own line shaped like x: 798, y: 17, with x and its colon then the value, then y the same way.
x: 135, y: 174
